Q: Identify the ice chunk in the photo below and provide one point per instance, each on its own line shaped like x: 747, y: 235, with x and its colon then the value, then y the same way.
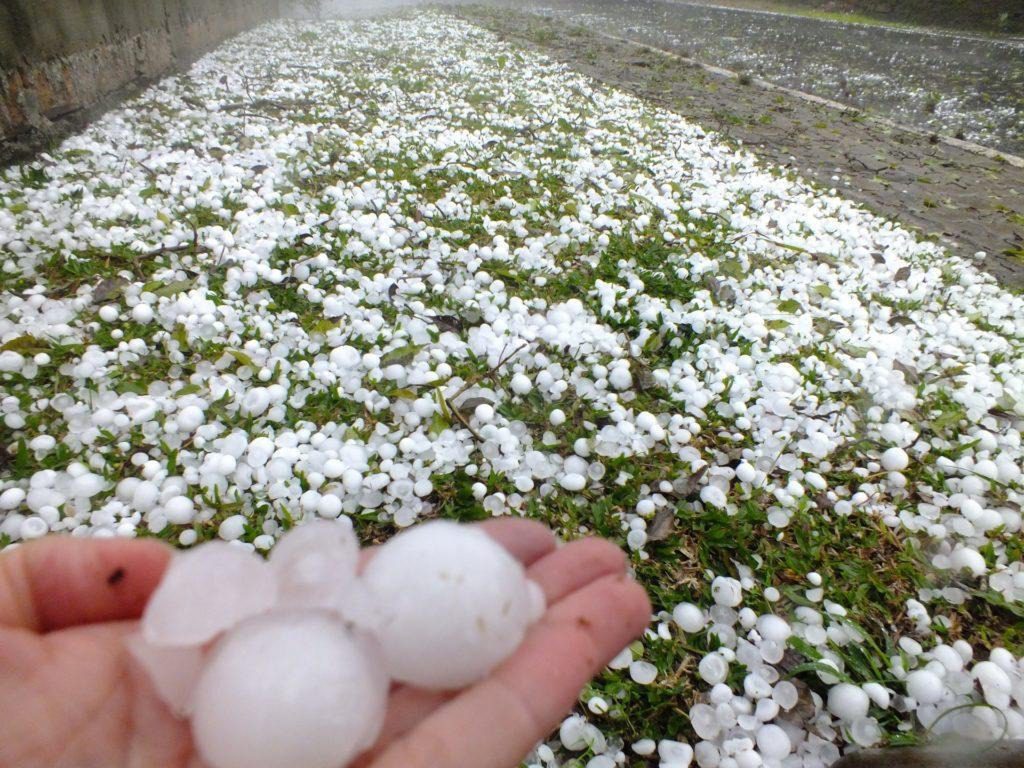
x: 173, y: 671
x: 292, y: 688
x: 315, y: 564
x: 450, y: 604
x: 205, y: 591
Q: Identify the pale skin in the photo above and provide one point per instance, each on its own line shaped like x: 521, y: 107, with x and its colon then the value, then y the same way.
x: 71, y: 696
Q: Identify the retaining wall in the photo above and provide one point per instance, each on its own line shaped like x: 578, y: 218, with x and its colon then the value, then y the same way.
x: 61, y: 61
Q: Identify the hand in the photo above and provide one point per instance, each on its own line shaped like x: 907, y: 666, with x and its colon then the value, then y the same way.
x: 71, y: 696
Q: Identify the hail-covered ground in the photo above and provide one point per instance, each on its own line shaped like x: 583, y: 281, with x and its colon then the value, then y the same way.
x: 398, y: 270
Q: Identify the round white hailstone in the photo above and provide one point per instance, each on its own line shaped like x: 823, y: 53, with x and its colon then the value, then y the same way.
x: 108, y: 313
x: 773, y: 742
x: 179, y: 510
x: 644, y: 747
x: 677, y: 754
x: 447, y: 604
x: 315, y: 564
x: 848, y: 702
x: 704, y: 720
x: 814, y: 578
x: 713, y: 669
x: 88, y: 485
x: 689, y: 617
x: 573, y: 481
x: 622, y: 660
x: 726, y: 591
x: 707, y: 754
x: 713, y: 495
x: 620, y: 378
x: 521, y: 384
x: 12, y: 498
x: 772, y: 595
x: 190, y: 418
x: 33, y: 528
x: 643, y: 672
x: 288, y: 689
x: 329, y: 506
x: 636, y: 539
x: 745, y: 472
x: 895, y: 459
x: 557, y: 417
x: 785, y: 694
x: 571, y: 733
x: 173, y: 672
x: 924, y: 686
x: 232, y: 528
x: 995, y: 683
x: 968, y: 559
x: 142, y: 313
x: 878, y: 694
x: 601, y: 761
x: 865, y: 732
x: 185, y: 610
x: 597, y: 705
x: 484, y: 412
x: 774, y: 628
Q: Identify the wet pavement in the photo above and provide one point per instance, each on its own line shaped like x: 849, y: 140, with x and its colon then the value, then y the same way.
x: 969, y: 87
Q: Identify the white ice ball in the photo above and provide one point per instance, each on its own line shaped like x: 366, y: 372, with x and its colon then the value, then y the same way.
x: 173, y: 672
x: 288, y: 689
x: 727, y: 591
x: 447, y: 604
x: 689, y: 617
x: 895, y: 459
x: 847, y: 702
x: 925, y: 686
x: 205, y: 591
x: 773, y: 742
x: 315, y: 564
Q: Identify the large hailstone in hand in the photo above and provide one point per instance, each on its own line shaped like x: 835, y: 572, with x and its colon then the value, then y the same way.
x: 446, y: 604
x: 206, y: 591
x: 288, y: 689
x: 315, y: 564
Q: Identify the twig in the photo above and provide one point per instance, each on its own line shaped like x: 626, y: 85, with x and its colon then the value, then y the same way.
x: 474, y: 380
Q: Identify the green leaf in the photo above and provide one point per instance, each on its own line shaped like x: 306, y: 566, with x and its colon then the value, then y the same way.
x: 790, y: 306
x: 241, y: 357
x: 25, y: 343
x: 291, y: 209
x: 173, y: 289
x: 438, y: 424
x: 731, y: 268
x: 189, y: 389
x: 778, y: 324
x: 822, y: 290
x: 180, y: 335
x: 401, y: 355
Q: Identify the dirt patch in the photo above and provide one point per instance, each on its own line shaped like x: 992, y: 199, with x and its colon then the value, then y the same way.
x: 973, y: 203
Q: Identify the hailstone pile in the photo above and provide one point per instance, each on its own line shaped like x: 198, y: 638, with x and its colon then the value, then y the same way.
x: 287, y: 662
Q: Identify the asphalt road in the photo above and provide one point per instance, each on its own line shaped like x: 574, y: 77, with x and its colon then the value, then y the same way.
x: 965, y: 86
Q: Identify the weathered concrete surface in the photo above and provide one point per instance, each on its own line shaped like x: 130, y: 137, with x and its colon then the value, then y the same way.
x: 61, y: 60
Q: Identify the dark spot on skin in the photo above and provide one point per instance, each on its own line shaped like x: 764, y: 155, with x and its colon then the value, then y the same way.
x: 116, y: 576
x: 583, y: 622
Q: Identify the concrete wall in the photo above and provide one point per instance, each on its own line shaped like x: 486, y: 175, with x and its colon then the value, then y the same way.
x: 63, y: 60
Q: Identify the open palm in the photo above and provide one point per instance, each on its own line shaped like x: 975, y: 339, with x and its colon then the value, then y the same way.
x: 71, y: 696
